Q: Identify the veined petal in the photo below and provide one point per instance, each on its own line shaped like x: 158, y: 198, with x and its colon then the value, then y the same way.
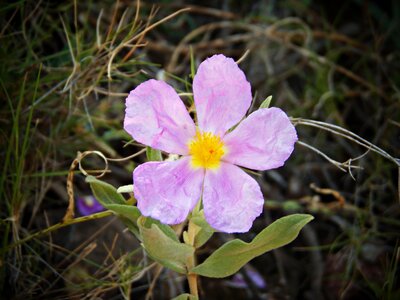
x: 231, y: 199
x: 263, y: 141
x: 221, y: 93
x: 167, y: 191
x: 156, y: 116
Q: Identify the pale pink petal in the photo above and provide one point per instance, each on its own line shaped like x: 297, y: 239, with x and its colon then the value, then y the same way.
x: 231, y: 199
x: 167, y: 191
x: 263, y: 141
x: 156, y: 116
x: 221, y: 93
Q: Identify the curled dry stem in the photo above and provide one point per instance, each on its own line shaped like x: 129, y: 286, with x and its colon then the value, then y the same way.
x: 347, y: 134
x: 78, y: 162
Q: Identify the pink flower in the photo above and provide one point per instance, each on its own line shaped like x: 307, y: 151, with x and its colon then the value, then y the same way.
x: 168, y: 191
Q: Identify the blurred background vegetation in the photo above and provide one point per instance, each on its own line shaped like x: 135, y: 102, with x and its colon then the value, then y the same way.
x: 65, y: 70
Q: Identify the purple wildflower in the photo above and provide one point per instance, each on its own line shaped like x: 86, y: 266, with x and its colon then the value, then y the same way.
x: 238, y: 280
x: 88, y: 205
x: 168, y: 191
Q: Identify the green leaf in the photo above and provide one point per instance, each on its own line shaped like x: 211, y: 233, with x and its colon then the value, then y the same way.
x: 129, y: 211
x: 233, y: 255
x: 164, y: 250
x: 104, y: 193
x: 266, y: 102
x: 203, y: 230
x: 129, y: 215
x: 153, y: 154
x: 186, y: 297
x: 168, y: 231
x: 108, y: 196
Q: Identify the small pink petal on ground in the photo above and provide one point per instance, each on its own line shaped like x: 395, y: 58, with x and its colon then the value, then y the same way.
x: 263, y: 141
x: 221, y: 93
x: 231, y: 198
x: 156, y: 116
x: 167, y: 191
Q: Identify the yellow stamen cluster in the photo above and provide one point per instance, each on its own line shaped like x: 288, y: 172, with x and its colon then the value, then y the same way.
x: 206, y: 150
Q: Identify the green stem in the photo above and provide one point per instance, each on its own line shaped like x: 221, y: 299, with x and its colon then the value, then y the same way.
x: 60, y: 225
x: 192, y: 277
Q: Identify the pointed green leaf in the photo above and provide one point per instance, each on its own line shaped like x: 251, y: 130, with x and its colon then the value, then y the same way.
x: 168, y: 231
x: 266, y: 102
x: 153, y: 154
x: 186, y: 297
x: 108, y: 196
x: 104, y: 193
x: 129, y: 215
x: 233, y: 255
x: 129, y: 211
x: 203, y: 231
x: 161, y: 248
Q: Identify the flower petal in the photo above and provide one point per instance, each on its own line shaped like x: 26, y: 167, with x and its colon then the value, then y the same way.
x: 263, y: 141
x: 221, y: 93
x: 88, y: 205
x: 156, y: 116
x: 167, y: 191
x: 231, y: 199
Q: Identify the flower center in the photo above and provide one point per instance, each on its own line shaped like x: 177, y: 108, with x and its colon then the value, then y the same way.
x: 88, y: 201
x: 206, y: 150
